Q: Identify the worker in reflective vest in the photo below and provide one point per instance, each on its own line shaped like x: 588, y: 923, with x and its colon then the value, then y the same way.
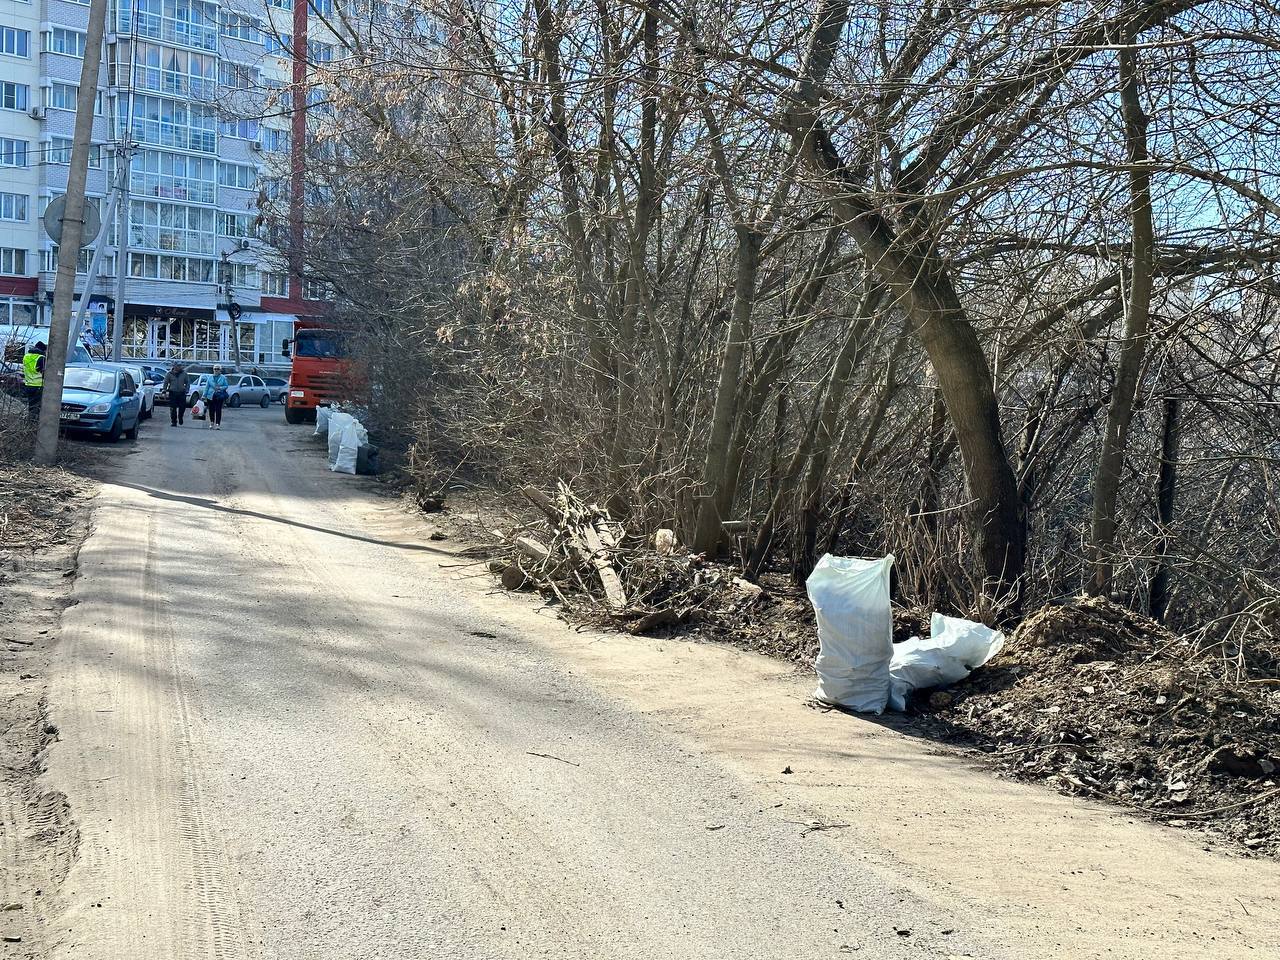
x: 33, y: 377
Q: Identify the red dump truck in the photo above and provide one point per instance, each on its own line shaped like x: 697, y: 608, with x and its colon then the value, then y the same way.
x: 322, y: 373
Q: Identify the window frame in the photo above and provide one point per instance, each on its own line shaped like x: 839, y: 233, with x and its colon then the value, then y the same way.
x: 21, y: 38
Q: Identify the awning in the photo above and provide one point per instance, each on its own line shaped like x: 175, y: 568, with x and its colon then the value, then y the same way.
x: 257, y: 318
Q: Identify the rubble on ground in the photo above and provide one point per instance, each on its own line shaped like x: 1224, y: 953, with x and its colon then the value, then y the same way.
x: 1098, y: 700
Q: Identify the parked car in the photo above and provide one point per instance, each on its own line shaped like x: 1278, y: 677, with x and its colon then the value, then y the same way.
x: 14, y: 341
x: 101, y: 400
x: 242, y: 388
x: 279, y: 388
x: 146, y: 386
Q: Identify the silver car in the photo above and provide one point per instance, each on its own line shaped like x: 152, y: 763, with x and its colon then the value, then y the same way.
x: 242, y: 388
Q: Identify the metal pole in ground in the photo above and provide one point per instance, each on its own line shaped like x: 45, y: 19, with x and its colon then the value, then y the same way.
x: 123, y: 153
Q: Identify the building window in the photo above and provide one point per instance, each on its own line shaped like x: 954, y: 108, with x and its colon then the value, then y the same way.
x: 239, y: 129
x: 237, y: 225
x: 62, y: 40
x: 62, y: 96
x: 20, y: 313
x: 173, y: 176
x: 13, y: 262
x: 238, y: 26
x: 174, y: 123
x: 279, y: 44
x: 274, y: 284
x: 15, y: 96
x: 172, y: 227
x: 13, y: 153
x: 280, y: 4
x: 275, y: 141
x: 15, y: 42
x: 239, y: 175
x: 189, y: 23
x: 152, y: 266
x: 13, y: 206
x: 318, y: 52
x: 275, y: 188
x: 237, y: 76
x: 316, y: 290
x: 244, y: 276
x: 59, y: 151
x: 322, y: 7
x: 164, y: 70
x: 50, y: 261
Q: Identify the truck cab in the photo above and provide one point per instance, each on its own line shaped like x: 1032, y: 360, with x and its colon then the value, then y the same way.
x: 321, y: 372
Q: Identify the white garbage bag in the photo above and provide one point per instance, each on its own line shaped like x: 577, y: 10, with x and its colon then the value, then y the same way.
x: 354, y: 436
x: 322, y: 421
x: 955, y: 649
x: 337, y: 423
x: 855, y: 631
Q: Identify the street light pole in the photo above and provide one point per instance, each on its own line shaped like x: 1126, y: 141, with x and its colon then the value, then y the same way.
x: 124, y: 151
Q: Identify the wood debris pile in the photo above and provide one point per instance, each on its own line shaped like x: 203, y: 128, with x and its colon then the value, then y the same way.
x: 580, y: 555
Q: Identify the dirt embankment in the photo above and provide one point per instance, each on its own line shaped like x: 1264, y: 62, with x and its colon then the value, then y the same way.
x: 44, y: 518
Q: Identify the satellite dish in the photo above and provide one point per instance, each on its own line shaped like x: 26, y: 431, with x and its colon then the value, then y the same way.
x: 56, y: 210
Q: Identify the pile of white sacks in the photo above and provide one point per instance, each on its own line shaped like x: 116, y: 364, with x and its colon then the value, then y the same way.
x: 859, y: 667
x: 346, y: 436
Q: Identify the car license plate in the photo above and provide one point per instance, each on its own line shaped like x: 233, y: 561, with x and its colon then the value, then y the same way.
x: 68, y: 415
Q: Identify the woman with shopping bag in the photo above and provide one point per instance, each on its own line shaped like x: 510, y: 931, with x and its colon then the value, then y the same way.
x: 216, y: 389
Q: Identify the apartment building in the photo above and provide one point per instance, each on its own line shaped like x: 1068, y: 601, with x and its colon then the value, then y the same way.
x: 198, y: 90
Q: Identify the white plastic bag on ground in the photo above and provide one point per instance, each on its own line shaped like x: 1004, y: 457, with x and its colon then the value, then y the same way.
x: 954, y: 650
x: 354, y: 436
x: 855, y: 631
x: 322, y: 421
x: 337, y: 423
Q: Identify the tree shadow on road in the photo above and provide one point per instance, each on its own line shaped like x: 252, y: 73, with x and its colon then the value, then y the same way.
x: 210, y: 504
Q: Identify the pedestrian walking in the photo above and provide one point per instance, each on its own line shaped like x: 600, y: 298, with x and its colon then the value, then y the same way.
x: 177, y: 384
x: 216, y: 388
x: 33, y: 377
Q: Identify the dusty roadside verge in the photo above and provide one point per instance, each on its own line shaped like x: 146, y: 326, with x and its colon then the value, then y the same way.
x: 44, y: 520
x: 1087, y: 698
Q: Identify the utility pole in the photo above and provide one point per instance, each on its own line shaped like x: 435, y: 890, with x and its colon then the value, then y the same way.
x: 124, y: 151
x: 228, y: 304
x: 64, y: 288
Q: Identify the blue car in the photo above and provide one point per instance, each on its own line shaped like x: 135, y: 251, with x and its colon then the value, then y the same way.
x: 101, y: 400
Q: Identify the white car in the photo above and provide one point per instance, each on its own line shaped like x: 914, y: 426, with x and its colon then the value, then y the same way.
x: 146, y: 388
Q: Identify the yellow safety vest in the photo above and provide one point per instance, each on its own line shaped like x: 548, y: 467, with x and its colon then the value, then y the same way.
x: 31, y: 375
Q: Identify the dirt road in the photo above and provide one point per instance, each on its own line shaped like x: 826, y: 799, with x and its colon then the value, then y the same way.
x: 286, y: 731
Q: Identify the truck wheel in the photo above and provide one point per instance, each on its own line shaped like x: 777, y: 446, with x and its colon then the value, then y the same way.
x: 265, y: 402
x: 294, y: 415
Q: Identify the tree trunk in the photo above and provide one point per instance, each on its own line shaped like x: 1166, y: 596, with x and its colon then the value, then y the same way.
x: 1166, y: 485
x: 715, y: 478
x: 1106, y: 487
x: 46, y: 445
x: 925, y: 292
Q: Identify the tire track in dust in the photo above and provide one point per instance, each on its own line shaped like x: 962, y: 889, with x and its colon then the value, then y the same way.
x: 209, y: 927
x: 150, y: 882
